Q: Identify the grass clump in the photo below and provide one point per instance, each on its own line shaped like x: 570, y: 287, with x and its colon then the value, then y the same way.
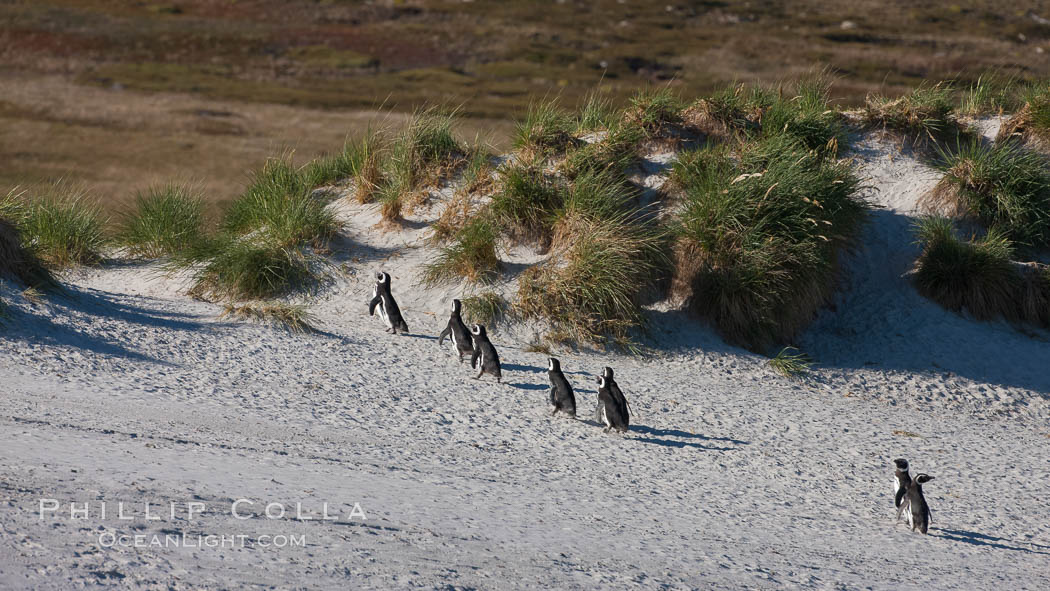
x: 655, y: 111
x: 1002, y: 186
x: 927, y: 114
x: 232, y: 268
x: 524, y: 205
x: 807, y: 116
x: 613, y: 153
x: 1031, y: 123
x: 791, y: 364
x: 58, y: 225
x: 487, y: 308
x: 991, y: 93
x: 279, y: 208
x: 589, y: 288
x: 734, y: 111
x: 422, y: 155
x: 596, y: 114
x: 546, y: 130
x: 759, y: 236
x: 473, y: 255
x: 165, y: 220
x: 975, y: 276
x: 348, y: 163
x: 18, y: 262
x: 296, y: 318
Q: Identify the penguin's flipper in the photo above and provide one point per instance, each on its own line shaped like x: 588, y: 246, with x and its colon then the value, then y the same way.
x: 474, y: 358
x: 372, y: 305
x: 445, y: 333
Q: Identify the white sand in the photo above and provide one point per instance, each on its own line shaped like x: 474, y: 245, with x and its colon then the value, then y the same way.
x: 732, y: 477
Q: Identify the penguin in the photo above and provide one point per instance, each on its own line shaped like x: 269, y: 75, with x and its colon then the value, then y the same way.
x: 458, y: 331
x: 561, y: 398
x: 609, y: 408
x: 617, y: 394
x: 388, y: 309
x: 901, y: 481
x: 484, y: 351
x: 915, y: 507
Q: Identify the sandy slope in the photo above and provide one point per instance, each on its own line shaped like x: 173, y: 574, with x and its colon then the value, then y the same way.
x: 731, y: 478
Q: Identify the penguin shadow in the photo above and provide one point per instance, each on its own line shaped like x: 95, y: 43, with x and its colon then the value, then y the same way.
x: 523, y: 368
x: 419, y: 336
x: 684, y: 435
x: 524, y: 386
x: 979, y: 539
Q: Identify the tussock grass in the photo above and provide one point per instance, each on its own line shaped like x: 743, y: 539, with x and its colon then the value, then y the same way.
x: 991, y: 93
x: 730, y: 113
x: 590, y: 286
x: 1031, y: 123
x: 278, y: 207
x: 791, y: 364
x: 231, y: 268
x: 654, y: 111
x: 975, y: 276
x: 759, y: 236
x: 367, y: 174
x: 925, y: 115
x: 296, y: 318
x: 19, y: 262
x: 165, y: 220
x: 596, y: 114
x: 546, y: 130
x: 1002, y: 186
x: 422, y: 155
x: 807, y: 116
x: 57, y: 224
x: 524, y: 205
x: 614, y: 153
x: 487, y: 308
x: 350, y: 162
x: 599, y: 195
x: 537, y: 346
x: 473, y: 255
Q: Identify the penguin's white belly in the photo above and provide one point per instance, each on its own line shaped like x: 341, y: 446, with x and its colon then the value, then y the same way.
x: 603, y: 416
x: 907, y: 513
x: 455, y: 343
x: 896, y: 486
x: 384, y: 316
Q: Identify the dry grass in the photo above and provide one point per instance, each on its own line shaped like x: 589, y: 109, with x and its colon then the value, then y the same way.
x: 295, y: 318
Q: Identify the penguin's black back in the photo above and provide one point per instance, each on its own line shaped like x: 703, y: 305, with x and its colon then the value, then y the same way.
x: 920, y: 511
x: 616, y: 418
x: 562, y: 397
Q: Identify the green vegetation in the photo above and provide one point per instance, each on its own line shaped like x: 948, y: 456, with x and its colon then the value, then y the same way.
x: 487, y: 308
x: 1002, y: 186
x: 545, y: 130
x: 473, y: 255
x: 791, y: 365
x: 57, y: 224
x: 18, y: 262
x: 296, y: 318
x: 975, y: 276
x: 279, y: 208
x: 233, y: 269
x: 589, y: 288
x: 1031, y: 123
x: 525, y: 203
x: 166, y: 220
x: 759, y: 236
x: 925, y: 115
x: 421, y: 156
x: 654, y: 111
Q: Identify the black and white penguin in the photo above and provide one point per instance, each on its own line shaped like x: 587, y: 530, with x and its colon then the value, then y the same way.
x: 388, y: 309
x: 458, y: 331
x: 901, y: 481
x: 484, y: 351
x: 914, y: 506
x: 610, y: 412
x: 617, y: 394
x: 561, y: 399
